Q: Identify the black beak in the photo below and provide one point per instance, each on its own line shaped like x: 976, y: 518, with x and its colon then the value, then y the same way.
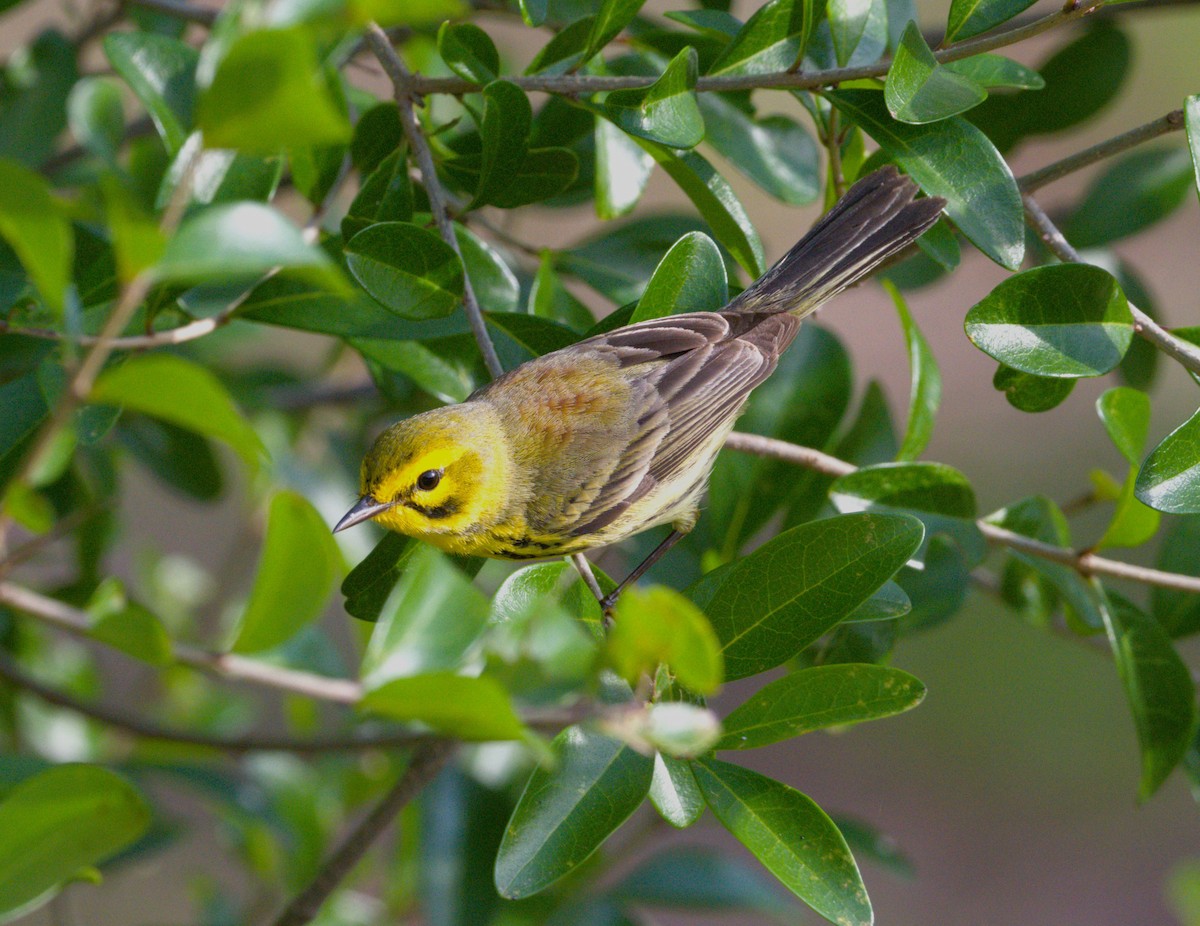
x: 364, y: 509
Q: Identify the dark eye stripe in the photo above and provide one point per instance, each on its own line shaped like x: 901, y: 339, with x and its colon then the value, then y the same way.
x: 436, y: 512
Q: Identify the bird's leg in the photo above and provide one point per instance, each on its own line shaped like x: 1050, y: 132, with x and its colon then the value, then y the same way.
x: 608, y: 602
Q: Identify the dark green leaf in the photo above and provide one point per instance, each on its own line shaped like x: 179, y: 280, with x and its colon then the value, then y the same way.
x: 564, y: 52
x: 674, y: 792
x: 182, y: 459
x: 660, y: 626
x: 767, y: 607
x: 772, y: 40
x: 494, y: 283
x: 1178, y: 612
x: 535, y: 335
x: 377, y: 134
x: 162, y: 73
x: 1066, y: 320
x: 565, y: 814
x: 221, y: 176
x: 887, y: 604
x: 268, y: 93
x: 993, y: 71
x: 60, y: 821
x: 952, y: 159
x: 919, y: 90
x: 386, y: 195
x: 439, y: 368
x: 456, y: 705
x: 469, y: 52
x: 611, y: 18
x: 622, y: 170
x: 816, y: 698
x: 37, y: 231
x: 700, y: 878
x: 1170, y: 477
x: 925, y: 394
x: 295, y: 575
x: 1030, y: 393
x: 690, y: 278
x: 408, y: 269
x: 539, y: 175
x: 368, y: 585
x: 866, y: 841
x: 971, y: 17
x: 1142, y: 188
x: 1158, y: 686
x: 791, y: 836
x: 504, y: 130
x: 665, y: 112
x: 34, y: 87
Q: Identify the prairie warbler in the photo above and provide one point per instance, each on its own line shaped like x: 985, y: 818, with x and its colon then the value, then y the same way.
x: 618, y: 433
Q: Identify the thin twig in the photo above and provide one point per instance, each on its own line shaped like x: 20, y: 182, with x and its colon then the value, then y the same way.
x: 1186, y: 354
x: 204, y: 16
x: 425, y: 764
x: 1085, y: 563
x: 1171, y: 122
x: 400, y: 77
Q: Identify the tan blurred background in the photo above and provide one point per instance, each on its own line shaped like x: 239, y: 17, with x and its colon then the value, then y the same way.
x: 1012, y: 788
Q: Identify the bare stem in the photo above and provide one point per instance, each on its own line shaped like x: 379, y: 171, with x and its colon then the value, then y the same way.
x: 425, y: 764
x: 401, y: 80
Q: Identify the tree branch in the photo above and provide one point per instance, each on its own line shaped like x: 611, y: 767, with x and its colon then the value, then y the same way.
x: 401, y: 79
x: 425, y: 764
x: 1085, y: 563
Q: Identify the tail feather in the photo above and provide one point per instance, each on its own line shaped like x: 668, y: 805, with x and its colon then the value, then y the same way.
x: 878, y: 217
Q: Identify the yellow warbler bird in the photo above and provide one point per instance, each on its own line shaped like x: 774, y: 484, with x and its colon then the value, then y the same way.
x: 618, y: 433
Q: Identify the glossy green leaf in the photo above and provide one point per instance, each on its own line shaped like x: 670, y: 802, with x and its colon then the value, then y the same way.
x: 429, y: 621
x: 1140, y: 189
x: 37, y: 231
x: 919, y: 90
x: 220, y: 176
x: 456, y: 705
x: 925, y: 393
x: 971, y: 17
x: 408, y: 269
x: 386, y: 195
x: 816, y: 698
x: 182, y: 392
x: 622, y: 170
x: 772, y: 40
x: 268, y: 93
x: 568, y: 811
x: 714, y: 198
x: 674, y: 792
x: 468, y: 51
x: 564, y: 52
x: 60, y: 821
x: 690, y: 278
x: 660, y: 626
x: 1191, y: 121
x: 701, y: 878
x: 768, y: 606
x: 161, y: 71
x: 442, y: 371
x: 791, y: 836
x: 995, y: 71
x: 237, y: 241
x: 1126, y: 416
x: 504, y: 131
x: 34, y: 86
x: 1030, y: 393
x: 665, y: 112
x: 952, y: 159
x: 1158, y: 686
x: 1132, y: 523
x: 1178, y: 612
x: 369, y: 584
x: 295, y: 574
x: 1169, y: 479
x: 540, y: 174
x: 125, y: 625
x: 97, y: 117
x: 611, y: 18
x: 847, y: 21
x: 495, y: 285
x: 776, y: 152
x: 887, y: 604
x: 1066, y: 320
x: 377, y: 135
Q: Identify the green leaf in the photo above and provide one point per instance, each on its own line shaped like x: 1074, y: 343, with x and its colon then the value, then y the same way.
x: 775, y: 151
x: 847, y: 21
x: 296, y: 572
x: 60, y: 821
x: 622, y: 170
x: 1169, y: 479
x: 504, y: 130
x: 540, y: 174
x: 369, y: 584
x: 995, y: 71
x: 919, y: 90
x: 1126, y: 416
x: 701, y: 878
x: 536, y: 335
x: 1137, y: 191
x: 34, y: 88
x: 1067, y: 320
x: 690, y: 278
x: 468, y: 51
x: 772, y: 40
x: 674, y: 792
x: 612, y: 17
x: 1029, y: 393
x: 239, y: 241
x: 386, y: 195
x: 441, y: 369
x: 971, y: 17
x: 219, y: 176
x: 493, y: 281
x: 458, y: 706
x: 768, y: 606
x: 952, y: 159
x: 181, y: 392
x: 566, y: 813
x: 888, y: 603
x: 659, y: 626
x: 125, y: 625
x: 408, y: 269
x: 817, y: 698
x: 1158, y: 686
x: 1178, y: 612
x: 665, y: 112
x: 564, y: 52
x: 97, y: 117
x: 268, y: 93
x: 36, y: 229
x: 714, y: 198
x: 161, y: 71
x: 925, y: 393
x: 1191, y: 119
x: 791, y: 836
x: 1132, y: 522
x: 377, y: 134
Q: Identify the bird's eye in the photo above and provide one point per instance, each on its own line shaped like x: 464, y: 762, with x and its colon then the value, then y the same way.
x: 428, y: 480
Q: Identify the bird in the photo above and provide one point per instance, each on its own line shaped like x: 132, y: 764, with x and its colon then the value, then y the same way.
x: 618, y: 433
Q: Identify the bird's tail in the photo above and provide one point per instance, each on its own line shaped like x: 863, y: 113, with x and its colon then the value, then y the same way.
x: 878, y: 217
